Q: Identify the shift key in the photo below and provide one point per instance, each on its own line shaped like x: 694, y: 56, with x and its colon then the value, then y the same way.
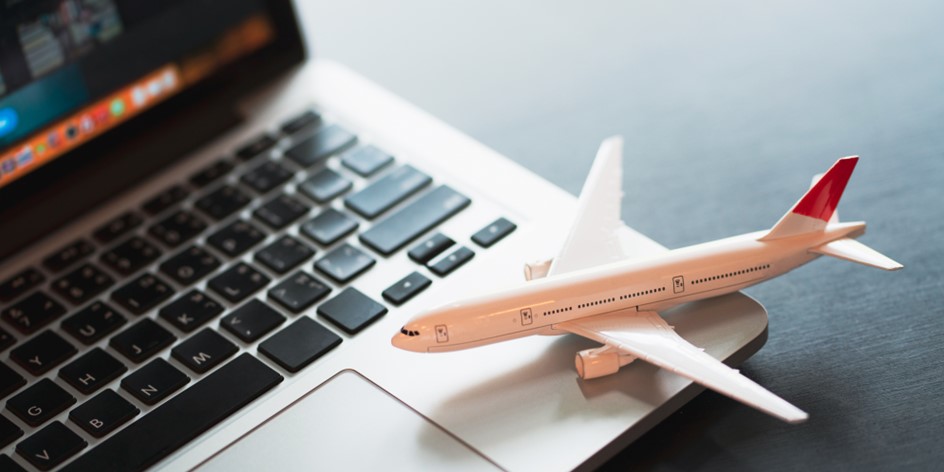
x: 397, y: 230
x: 383, y: 194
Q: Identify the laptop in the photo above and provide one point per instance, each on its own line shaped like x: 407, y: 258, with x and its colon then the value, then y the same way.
x: 209, y: 238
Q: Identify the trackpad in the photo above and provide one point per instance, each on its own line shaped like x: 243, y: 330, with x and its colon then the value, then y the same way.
x: 347, y: 423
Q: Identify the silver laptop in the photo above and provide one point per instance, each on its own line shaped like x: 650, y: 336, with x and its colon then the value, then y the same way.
x: 209, y: 239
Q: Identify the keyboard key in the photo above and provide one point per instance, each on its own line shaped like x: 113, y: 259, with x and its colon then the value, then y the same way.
x: 43, y: 352
x: 10, y: 381
x: 238, y: 282
x: 453, y: 261
x: 430, y: 248
x: 143, y: 293
x: 407, y: 224
x: 284, y: 254
x: 191, y: 310
x: 134, y: 254
x: 190, y: 265
x: 266, y: 176
x: 94, y: 322
x: 299, y: 292
x: 222, y: 202
x: 351, y: 310
x: 383, y: 194
x: 182, y: 418
x: 299, y: 344
x: 494, y: 232
x: 257, y: 146
x: 204, y: 351
x: 177, y: 228
x: 103, y: 413
x: 165, y: 200
x: 50, y: 446
x: 8, y: 465
x: 33, y: 312
x: 307, y: 119
x: 236, y: 238
x: 344, y: 263
x: 92, y: 371
x: 20, y: 283
x: 328, y: 227
x: 154, y: 381
x: 324, y: 186
x: 406, y: 288
x: 117, y: 227
x: 366, y: 160
x: 8, y: 433
x: 280, y: 211
x: 252, y: 321
x: 40, y: 402
x: 83, y: 283
x: 68, y: 255
x: 142, y: 340
x: 6, y: 339
x: 316, y: 148
x: 211, y: 173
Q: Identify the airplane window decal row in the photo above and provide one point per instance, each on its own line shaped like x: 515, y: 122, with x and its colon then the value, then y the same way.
x: 730, y: 274
x: 596, y: 302
x: 641, y: 293
x: 559, y: 310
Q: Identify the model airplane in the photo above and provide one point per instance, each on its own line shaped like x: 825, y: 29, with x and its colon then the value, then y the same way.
x: 593, y: 289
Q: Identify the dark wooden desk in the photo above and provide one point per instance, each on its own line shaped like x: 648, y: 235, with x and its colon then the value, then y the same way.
x: 728, y: 109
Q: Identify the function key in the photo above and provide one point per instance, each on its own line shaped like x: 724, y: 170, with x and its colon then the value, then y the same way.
x: 453, y: 261
x: 328, y: 227
x: 204, y: 351
x: 494, y: 232
x: 142, y: 293
x: 43, y: 352
x: 344, y: 263
x: 68, y: 255
x: 40, y: 402
x: 94, y: 322
x: 131, y: 255
x: 430, y: 248
x: 92, y: 371
x: 410, y: 222
x: 238, y: 282
x: 117, y: 227
x: 211, y: 173
x: 299, y: 292
x: 366, y: 160
x: 406, y: 288
x: 33, y: 312
x: 256, y: 147
x: 177, y: 228
x: 165, y: 200
x: 142, y: 340
x: 324, y: 186
x: 300, y: 122
x: 284, y: 254
x: 236, y: 238
x: 252, y: 321
x: 50, y: 446
x: 316, y: 148
x: 103, y: 413
x: 8, y: 433
x: 222, y: 202
x: 154, y: 382
x: 383, y: 194
x: 266, y: 176
x: 351, y: 310
x: 10, y: 381
x: 299, y: 344
x: 191, y: 310
x: 20, y: 283
x: 83, y: 283
x: 190, y: 265
x: 280, y: 211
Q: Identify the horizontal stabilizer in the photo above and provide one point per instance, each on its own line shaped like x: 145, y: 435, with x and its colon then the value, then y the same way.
x: 852, y: 250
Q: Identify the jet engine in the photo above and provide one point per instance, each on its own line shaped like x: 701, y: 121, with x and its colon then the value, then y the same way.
x: 593, y: 363
x: 537, y: 269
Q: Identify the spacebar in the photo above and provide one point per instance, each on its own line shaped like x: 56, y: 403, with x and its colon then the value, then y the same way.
x: 415, y: 219
x: 173, y: 424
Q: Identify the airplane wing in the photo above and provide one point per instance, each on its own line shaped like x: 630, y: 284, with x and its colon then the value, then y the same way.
x: 647, y: 336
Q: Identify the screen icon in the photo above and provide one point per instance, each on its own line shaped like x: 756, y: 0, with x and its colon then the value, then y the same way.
x: 8, y: 121
x: 117, y: 107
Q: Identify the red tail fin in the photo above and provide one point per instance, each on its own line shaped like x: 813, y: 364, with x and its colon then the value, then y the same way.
x: 819, y: 203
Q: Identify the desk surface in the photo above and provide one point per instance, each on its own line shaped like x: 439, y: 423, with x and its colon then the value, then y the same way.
x: 728, y: 108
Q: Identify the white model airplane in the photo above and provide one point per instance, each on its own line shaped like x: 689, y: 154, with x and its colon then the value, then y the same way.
x: 593, y: 289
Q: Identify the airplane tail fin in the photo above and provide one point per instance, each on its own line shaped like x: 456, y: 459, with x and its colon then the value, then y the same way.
x: 852, y: 250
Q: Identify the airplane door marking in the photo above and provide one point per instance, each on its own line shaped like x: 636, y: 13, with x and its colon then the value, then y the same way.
x: 442, y: 334
x: 526, y: 317
x: 678, y: 284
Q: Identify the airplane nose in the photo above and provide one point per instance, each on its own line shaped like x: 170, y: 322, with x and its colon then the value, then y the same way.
x: 407, y: 343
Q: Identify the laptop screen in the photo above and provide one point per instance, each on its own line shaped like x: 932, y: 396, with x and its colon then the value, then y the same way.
x: 72, y: 70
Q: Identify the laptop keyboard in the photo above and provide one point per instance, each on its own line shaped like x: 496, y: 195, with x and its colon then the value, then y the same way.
x: 122, y: 303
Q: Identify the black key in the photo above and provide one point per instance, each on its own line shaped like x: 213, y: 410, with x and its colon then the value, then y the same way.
x: 344, y: 263
x: 316, y: 148
x: 494, y: 232
x: 191, y: 310
x: 238, y: 282
x: 8, y: 432
x: 299, y: 344
x: 135, y: 253
x: 351, y: 310
x: 204, y: 351
x: 177, y: 228
x: 211, y: 173
x: 284, y: 254
x: 41, y: 401
x: 10, y: 381
x: 266, y: 176
x: 300, y: 122
x: 20, y: 283
x: 50, y: 446
x: 83, y: 283
x: 154, y: 381
x: 255, y: 147
x: 299, y: 292
x: 252, y: 321
x: 236, y: 238
x: 430, y: 248
x: 190, y: 265
x: 222, y: 202
x: 142, y: 340
x: 92, y: 371
x: 68, y: 255
x: 143, y: 293
x: 328, y: 227
x: 280, y: 211
x: 103, y: 413
x: 8, y: 465
x: 94, y: 322
x: 6, y: 339
x: 453, y: 261
x: 43, y: 352
x: 182, y: 418
x: 366, y: 160
x: 324, y: 186
x: 33, y: 312
x: 165, y: 200
x: 391, y: 234
x: 406, y: 288
x: 117, y: 227
x: 383, y: 194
